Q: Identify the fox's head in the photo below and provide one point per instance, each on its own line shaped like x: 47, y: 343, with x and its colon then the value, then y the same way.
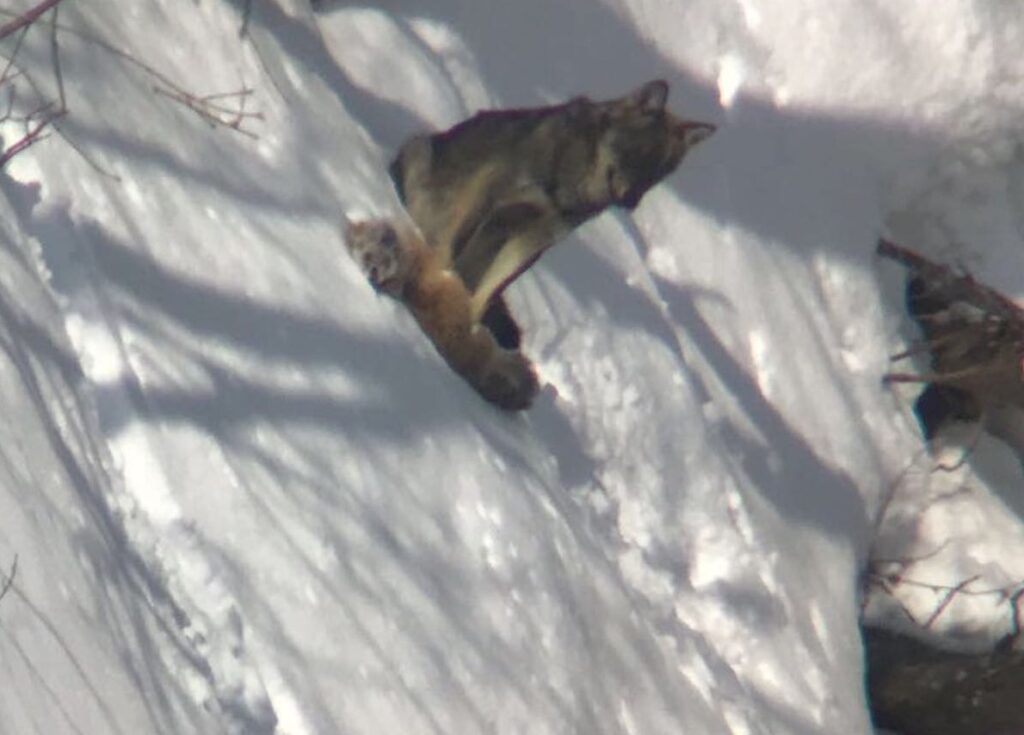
x: 640, y: 142
x: 377, y: 248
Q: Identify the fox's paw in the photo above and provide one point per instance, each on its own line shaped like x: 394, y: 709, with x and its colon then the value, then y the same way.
x: 510, y: 381
x: 378, y: 250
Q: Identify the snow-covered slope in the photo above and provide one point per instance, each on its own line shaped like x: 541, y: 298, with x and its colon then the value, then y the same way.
x: 245, y: 494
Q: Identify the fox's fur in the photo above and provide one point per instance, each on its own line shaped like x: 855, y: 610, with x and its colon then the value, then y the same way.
x: 494, y: 192
x: 399, y: 263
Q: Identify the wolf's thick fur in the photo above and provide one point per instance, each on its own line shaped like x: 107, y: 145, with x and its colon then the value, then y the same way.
x: 495, y: 191
x: 973, y: 336
x: 399, y: 263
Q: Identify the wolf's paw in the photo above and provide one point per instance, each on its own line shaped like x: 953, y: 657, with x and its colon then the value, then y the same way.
x: 378, y: 250
x: 511, y: 382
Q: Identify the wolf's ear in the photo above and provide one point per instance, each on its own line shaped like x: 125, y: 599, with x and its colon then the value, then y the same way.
x: 651, y: 97
x: 689, y: 133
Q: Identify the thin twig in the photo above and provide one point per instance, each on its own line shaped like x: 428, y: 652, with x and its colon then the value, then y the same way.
x: 30, y: 138
x: 213, y: 113
x: 906, y: 562
x: 55, y: 53
x: 10, y: 577
x: 949, y: 598
x: 87, y: 157
x: 14, y: 53
x: 959, y: 588
x: 173, y: 90
x: 28, y: 17
x: 940, y: 378
x: 243, y: 30
x: 44, y: 114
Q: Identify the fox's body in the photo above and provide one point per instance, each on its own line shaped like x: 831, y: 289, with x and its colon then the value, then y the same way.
x: 489, y: 196
x: 495, y: 191
x: 399, y: 263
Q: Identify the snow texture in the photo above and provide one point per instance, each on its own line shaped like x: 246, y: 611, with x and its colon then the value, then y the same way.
x: 246, y: 496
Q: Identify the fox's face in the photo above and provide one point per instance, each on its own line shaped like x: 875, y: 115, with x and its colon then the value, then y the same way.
x: 640, y: 143
x: 377, y: 249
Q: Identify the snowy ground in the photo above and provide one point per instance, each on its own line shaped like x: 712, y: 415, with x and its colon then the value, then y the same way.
x: 246, y: 496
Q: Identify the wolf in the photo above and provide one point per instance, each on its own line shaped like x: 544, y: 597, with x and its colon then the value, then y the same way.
x: 974, y: 338
x: 489, y: 196
x: 495, y: 191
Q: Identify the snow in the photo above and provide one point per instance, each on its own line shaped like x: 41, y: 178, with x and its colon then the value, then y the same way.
x: 245, y: 495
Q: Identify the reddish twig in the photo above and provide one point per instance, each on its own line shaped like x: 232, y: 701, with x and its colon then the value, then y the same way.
x: 948, y: 598
x: 44, y: 114
x: 30, y: 138
x: 210, y: 108
x: 28, y: 17
x: 204, y: 106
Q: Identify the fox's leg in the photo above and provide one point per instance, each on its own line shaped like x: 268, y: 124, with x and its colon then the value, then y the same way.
x: 440, y: 302
x: 503, y: 377
x: 504, y: 246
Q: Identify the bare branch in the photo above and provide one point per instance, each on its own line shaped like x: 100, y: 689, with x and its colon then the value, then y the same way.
x: 55, y: 53
x: 205, y: 106
x: 28, y: 17
x: 210, y: 109
x: 948, y: 598
x: 43, y: 116
x: 243, y: 31
x: 30, y: 138
x: 14, y: 53
x: 1007, y: 643
x: 10, y: 578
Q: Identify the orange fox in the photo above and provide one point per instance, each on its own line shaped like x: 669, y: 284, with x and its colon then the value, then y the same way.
x: 399, y: 263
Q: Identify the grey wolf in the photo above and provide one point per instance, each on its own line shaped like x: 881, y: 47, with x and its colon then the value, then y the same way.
x: 494, y: 192
x: 973, y: 337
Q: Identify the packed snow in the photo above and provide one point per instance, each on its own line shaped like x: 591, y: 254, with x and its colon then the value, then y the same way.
x: 245, y: 495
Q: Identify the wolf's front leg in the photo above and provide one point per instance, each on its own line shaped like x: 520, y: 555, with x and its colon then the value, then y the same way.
x: 504, y: 247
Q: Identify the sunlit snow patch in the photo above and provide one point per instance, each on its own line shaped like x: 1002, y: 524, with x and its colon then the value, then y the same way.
x: 730, y: 79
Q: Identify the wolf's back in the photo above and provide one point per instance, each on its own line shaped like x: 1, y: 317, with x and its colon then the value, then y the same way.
x: 496, y: 190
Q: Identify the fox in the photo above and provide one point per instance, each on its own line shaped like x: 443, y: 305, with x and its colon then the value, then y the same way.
x: 398, y: 263
x: 489, y: 196
x: 974, y: 339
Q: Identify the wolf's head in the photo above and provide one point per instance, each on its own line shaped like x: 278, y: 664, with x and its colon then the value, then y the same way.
x: 639, y: 143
